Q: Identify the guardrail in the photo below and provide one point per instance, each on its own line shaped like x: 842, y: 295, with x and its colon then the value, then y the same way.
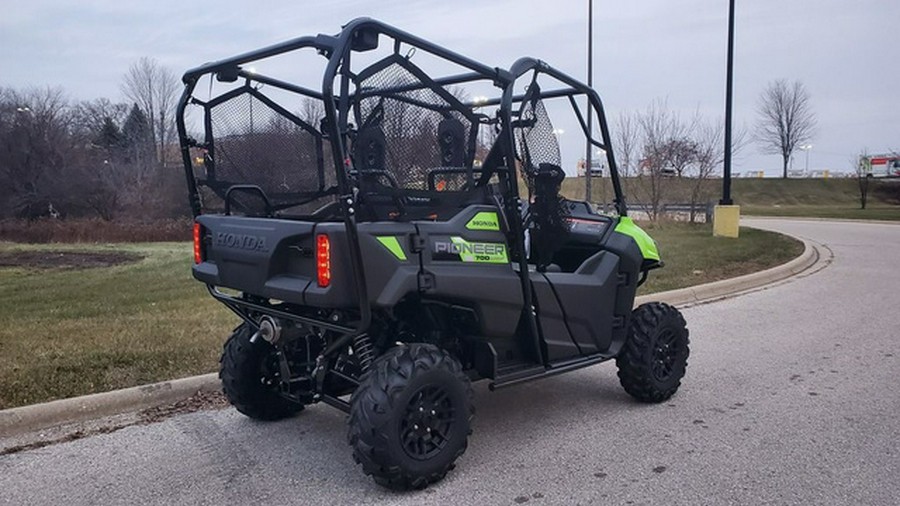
x: 702, y: 211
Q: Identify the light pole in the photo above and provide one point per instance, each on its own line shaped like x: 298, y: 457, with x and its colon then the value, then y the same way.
x: 727, y: 217
x: 729, y: 81
x: 806, y: 148
x: 590, y: 83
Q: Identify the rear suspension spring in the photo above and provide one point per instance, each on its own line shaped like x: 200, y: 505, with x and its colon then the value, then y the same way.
x: 364, y: 350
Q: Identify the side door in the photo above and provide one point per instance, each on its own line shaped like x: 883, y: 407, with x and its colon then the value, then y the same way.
x: 466, y: 260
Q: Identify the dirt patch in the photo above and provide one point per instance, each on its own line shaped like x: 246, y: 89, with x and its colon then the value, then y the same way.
x: 66, y: 259
x: 202, y: 400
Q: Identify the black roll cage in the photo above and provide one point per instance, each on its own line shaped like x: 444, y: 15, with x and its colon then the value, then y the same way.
x: 360, y: 35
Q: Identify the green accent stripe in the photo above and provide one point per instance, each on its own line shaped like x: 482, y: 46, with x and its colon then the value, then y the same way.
x: 393, y: 245
x: 485, y: 220
x: 644, y: 241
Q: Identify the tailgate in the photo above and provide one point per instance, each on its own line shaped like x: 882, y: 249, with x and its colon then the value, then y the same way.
x: 265, y: 257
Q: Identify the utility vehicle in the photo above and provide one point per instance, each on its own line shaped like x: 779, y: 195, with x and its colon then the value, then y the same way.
x: 394, y: 231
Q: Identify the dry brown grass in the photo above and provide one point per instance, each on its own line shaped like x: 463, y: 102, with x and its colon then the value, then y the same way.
x: 94, y: 231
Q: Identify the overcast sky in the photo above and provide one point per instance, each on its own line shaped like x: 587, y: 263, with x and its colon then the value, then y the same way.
x: 847, y: 53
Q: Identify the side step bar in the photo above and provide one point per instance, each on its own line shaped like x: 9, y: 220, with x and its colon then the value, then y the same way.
x: 541, y: 372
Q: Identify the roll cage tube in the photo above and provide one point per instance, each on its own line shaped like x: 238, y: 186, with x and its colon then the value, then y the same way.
x: 525, y: 65
x: 336, y: 115
x: 358, y: 35
x: 336, y: 119
x: 321, y: 42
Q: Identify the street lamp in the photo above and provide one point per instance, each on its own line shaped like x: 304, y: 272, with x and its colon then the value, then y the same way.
x: 806, y: 148
x: 727, y: 217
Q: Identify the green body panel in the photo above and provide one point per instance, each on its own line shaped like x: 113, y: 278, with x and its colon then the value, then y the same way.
x: 644, y: 241
x: 393, y: 245
x: 484, y: 220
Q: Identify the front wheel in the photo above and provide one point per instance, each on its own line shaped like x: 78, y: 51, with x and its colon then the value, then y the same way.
x: 410, y: 416
x: 654, y: 358
x: 250, y: 378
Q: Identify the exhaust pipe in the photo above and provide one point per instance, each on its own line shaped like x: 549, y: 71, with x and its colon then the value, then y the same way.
x: 269, y: 330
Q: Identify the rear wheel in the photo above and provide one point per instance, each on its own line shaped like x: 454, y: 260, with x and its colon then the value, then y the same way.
x: 654, y: 358
x: 250, y: 378
x: 410, y: 416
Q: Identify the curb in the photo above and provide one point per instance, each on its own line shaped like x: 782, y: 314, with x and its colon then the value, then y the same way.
x: 36, y: 417
x: 813, y: 218
x: 728, y: 287
x: 16, y: 421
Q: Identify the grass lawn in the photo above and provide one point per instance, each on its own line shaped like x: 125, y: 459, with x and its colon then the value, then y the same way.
x: 71, y: 332
x: 692, y: 256
x: 68, y: 332
x: 814, y: 198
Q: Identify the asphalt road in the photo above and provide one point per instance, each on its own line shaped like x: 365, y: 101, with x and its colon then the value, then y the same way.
x: 790, y: 398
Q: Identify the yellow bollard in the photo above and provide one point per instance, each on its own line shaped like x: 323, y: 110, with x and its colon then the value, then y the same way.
x: 726, y: 221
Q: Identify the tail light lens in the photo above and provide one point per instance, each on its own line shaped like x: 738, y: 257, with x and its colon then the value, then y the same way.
x: 323, y: 260
x: 198, y: 243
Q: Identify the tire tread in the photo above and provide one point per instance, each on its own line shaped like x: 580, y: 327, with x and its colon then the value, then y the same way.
x: 634, y: 361
x: 239, y: 373
x: 374, y: 401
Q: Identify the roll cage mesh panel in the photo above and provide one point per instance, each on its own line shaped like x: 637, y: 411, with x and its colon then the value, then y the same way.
x: 413, y: 114
x: 538, y: 151
x: 536, y: 141
x: 251, y: 140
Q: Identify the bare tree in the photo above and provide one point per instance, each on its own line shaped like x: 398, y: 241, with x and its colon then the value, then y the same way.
x: 708, y: 139
x: 786, y: 119
x: 681, y: 152
x: 90, y: 118
x: 626, y: 140
x: 312, y: 111
x: 660, y: 130
x: 154, y: 88
x: 34, y: 145
x: 67, y: 159
x: 710, y: 155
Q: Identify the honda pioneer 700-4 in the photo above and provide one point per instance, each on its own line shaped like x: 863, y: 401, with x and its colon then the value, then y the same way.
x: 392, y: 229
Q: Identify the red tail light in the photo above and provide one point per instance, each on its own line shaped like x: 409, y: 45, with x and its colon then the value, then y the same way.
x: 198, y: 243
x: 323, y: 260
